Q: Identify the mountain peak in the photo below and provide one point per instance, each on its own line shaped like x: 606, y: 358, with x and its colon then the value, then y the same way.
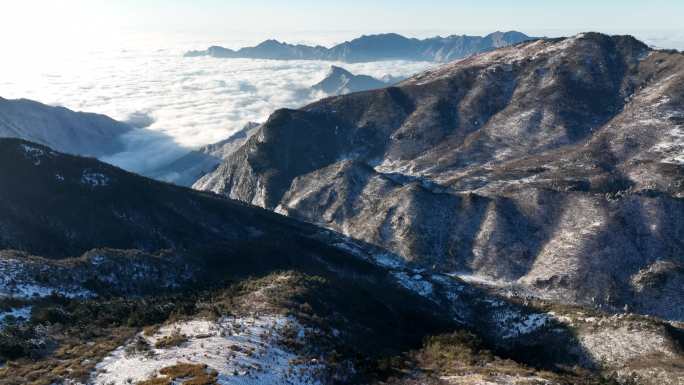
x: 270, y: 43
x: 336, y: 70
x: 339, y: 81
x: 383, y: 36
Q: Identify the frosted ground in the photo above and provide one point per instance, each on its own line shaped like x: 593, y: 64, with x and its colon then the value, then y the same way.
x: 182, y: 102
x: 243, y: 351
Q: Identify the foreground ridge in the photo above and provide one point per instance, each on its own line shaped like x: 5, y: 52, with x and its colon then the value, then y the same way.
x: 145, y: 282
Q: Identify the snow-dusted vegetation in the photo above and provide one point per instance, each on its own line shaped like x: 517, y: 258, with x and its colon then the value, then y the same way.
x: 242, y: 351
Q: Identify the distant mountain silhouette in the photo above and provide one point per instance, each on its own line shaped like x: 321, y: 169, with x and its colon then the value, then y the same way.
x: 339, y: 81
x: 388, y: 46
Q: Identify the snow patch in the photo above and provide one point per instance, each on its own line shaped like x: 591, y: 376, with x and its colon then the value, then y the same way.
x: 242, y: 350
x: 671, y: 146
x: 15, y: 283
x: 512, y: 323
x: 478, y: 279
x: 387, y: 260
x: 94, y: 179
x: 415, y: 283
x: 34, y: 154
x: 526, y: 324
x: 23, y: 313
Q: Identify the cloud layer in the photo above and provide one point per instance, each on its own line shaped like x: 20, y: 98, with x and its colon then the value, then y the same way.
x: 178, y: 103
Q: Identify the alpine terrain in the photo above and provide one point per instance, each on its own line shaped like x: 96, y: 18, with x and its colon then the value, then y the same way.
x: 550, y: 169
x: 112, y: 278
x: 513, y: 218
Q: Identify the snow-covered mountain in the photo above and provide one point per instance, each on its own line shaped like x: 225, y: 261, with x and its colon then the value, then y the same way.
x: 510, y: 219
x: 107, y: 277
x: 553, y: 167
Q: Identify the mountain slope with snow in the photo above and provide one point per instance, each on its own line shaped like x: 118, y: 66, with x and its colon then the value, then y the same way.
x: 109, y: 277
x: 550, y: 165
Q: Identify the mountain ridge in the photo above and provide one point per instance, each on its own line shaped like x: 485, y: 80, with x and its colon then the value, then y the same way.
x: 71, y: 260
x: 69, y: 131
x: 464, y: 229
x: 517, y: 166
x: 388, y: 46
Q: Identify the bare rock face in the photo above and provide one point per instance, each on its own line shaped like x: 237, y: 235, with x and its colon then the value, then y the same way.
x: 554, y: 166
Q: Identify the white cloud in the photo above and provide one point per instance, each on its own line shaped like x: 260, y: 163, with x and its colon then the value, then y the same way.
x: 183, y: 102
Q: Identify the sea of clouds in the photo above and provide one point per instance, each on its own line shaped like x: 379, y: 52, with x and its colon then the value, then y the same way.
x: 176, y: 103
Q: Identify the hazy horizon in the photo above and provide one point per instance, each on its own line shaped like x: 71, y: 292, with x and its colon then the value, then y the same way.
x: 73, y: 25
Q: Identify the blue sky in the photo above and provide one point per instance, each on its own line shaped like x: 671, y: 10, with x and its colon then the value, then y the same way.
x: 34, y: 21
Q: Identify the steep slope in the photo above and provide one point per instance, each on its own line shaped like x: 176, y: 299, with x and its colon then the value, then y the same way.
x: 554, y: 166
x: 340, y: 81
x: 78, y: 228
x: 65, y: 130
x: 57, y: 205
x: 108, y: 277
x: 389, y: 46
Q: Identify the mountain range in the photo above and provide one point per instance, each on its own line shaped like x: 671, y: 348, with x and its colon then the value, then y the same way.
x: 367, y: 48
x: 96, y: 135
x: 552, y: 168
x: 511, y: 218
